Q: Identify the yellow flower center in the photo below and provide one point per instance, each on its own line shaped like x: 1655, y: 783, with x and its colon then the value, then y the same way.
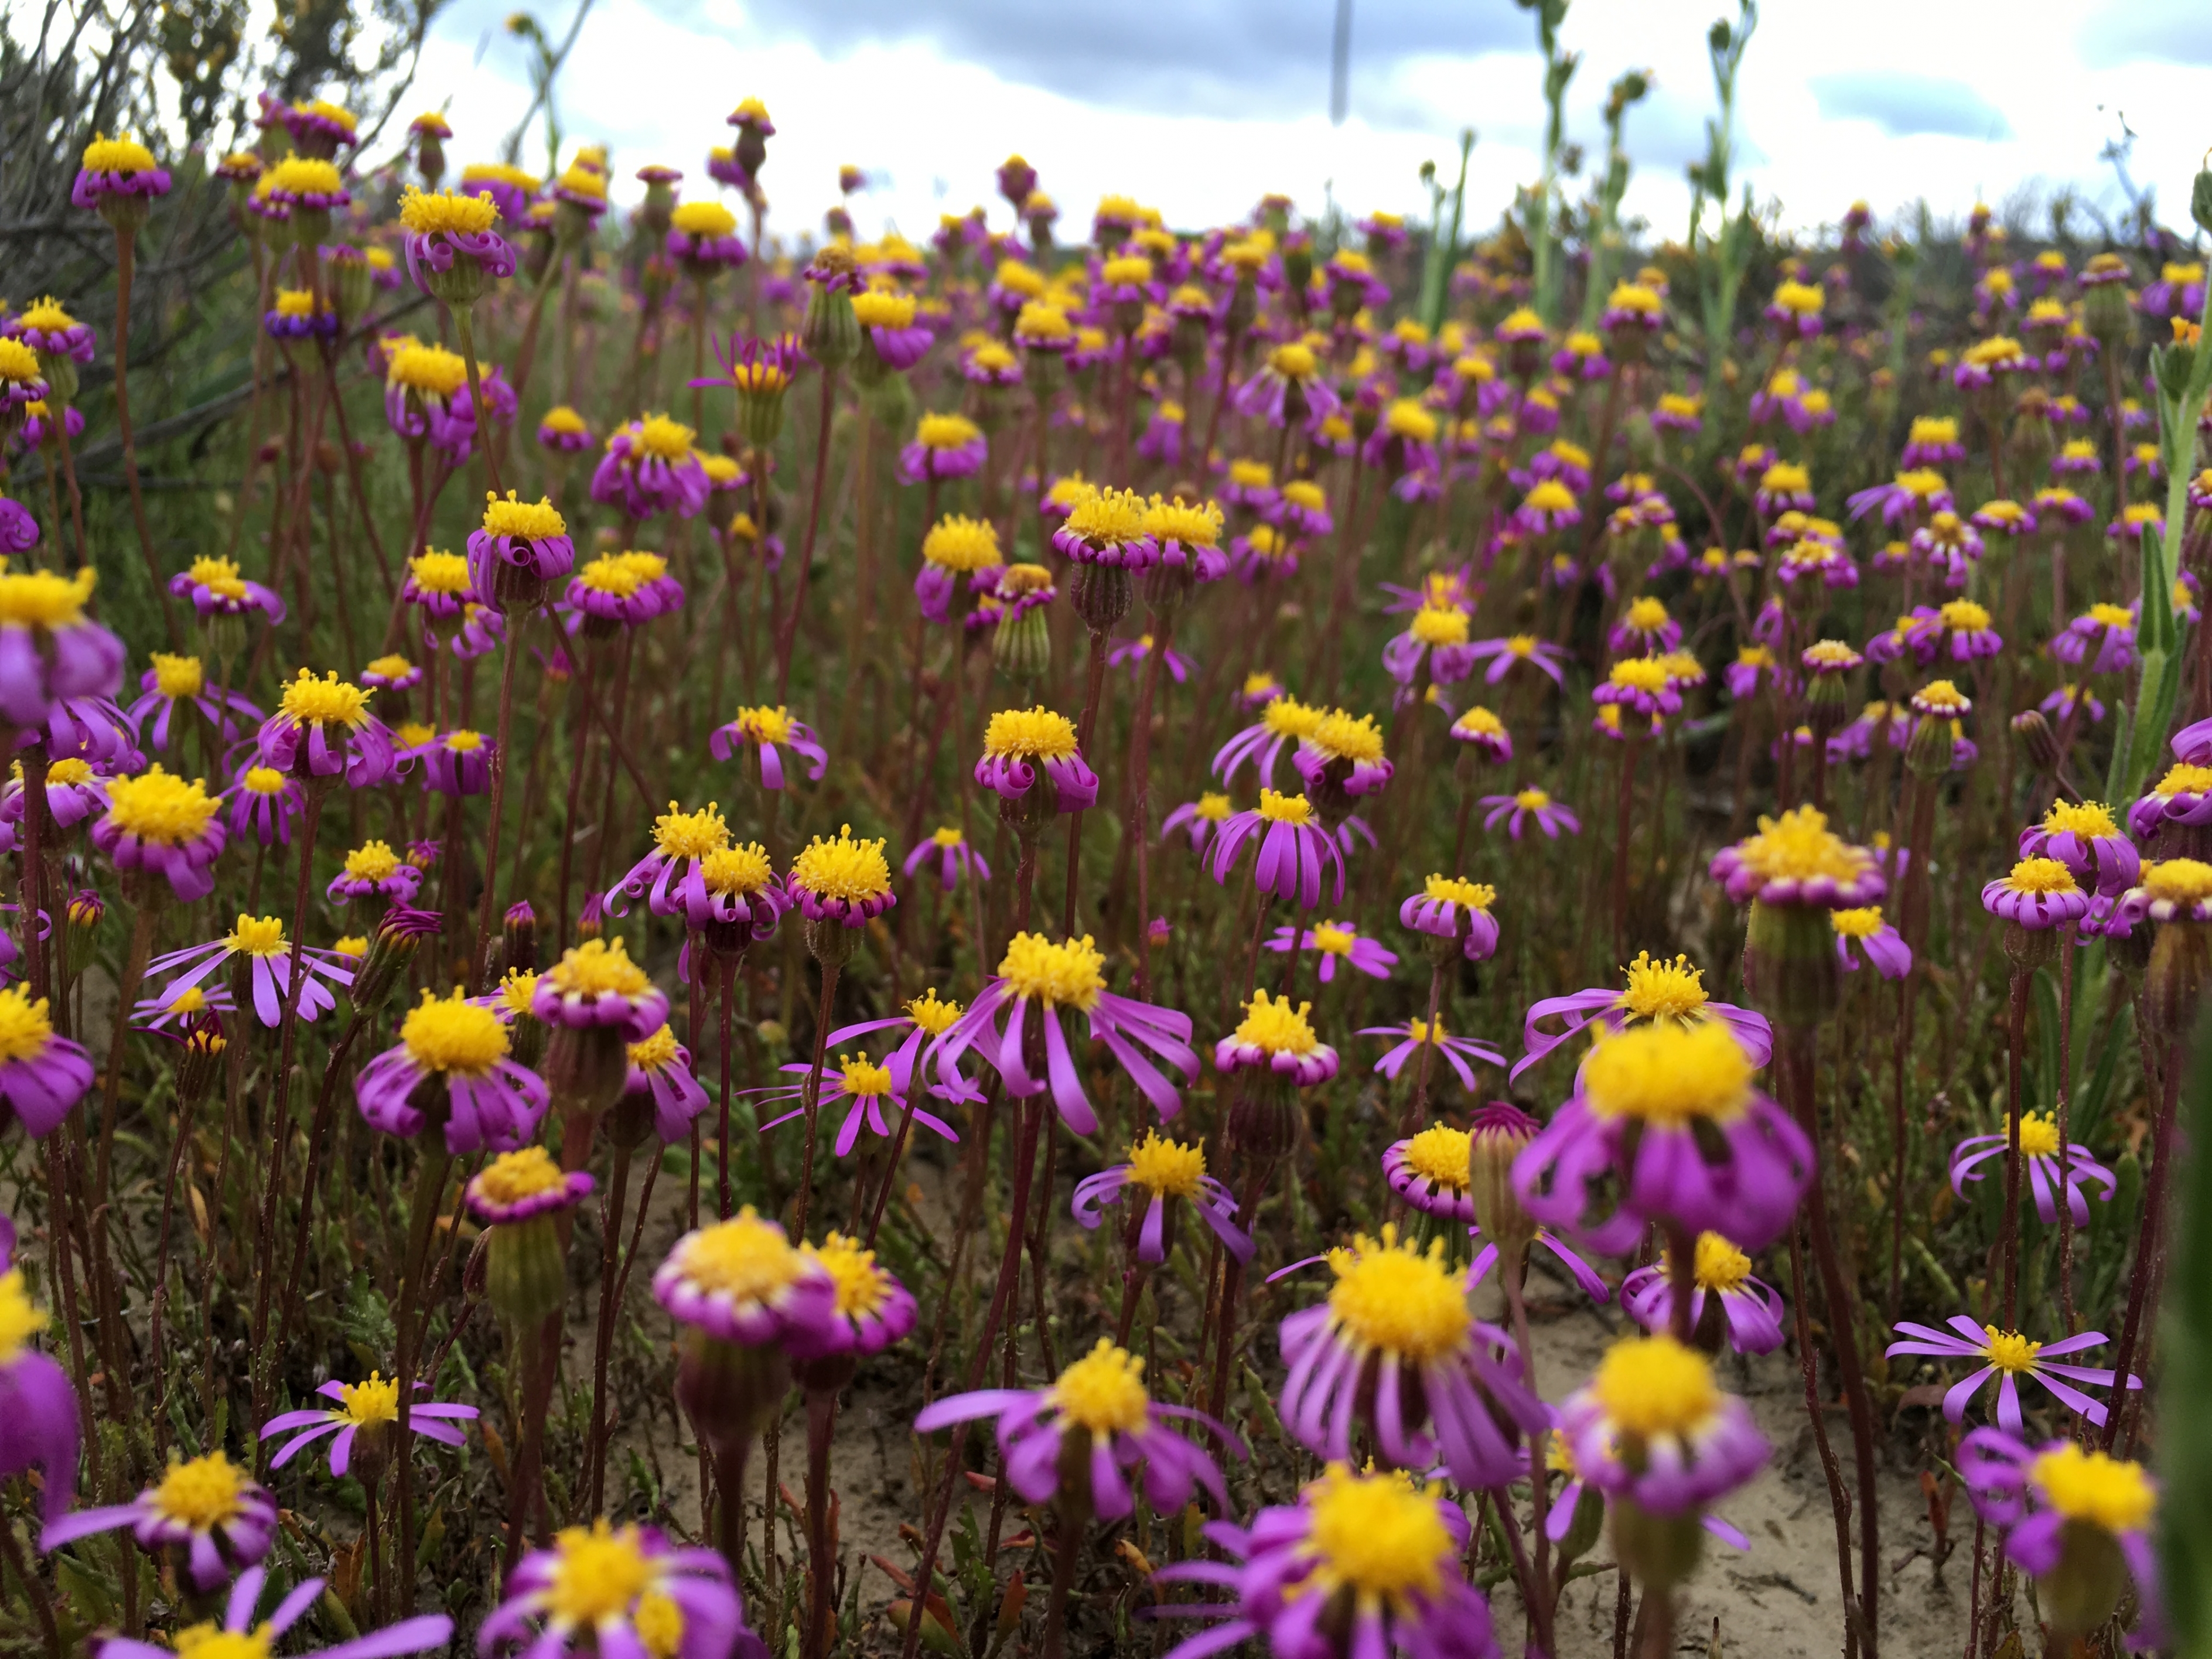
x: 25, y: 1028
x: 67, y: 770
x: 373, y: 861
x: 582, y: 181
x: 1549, y: 495
x: 1108, y: 517
x: 517, y: 986
x: 1306, y: 494
x: 2040, y: 876
x: 612, y: 573
x: 201, y: 1494
x: 1037, y: 734
x: 1457, y: 890
x: 256, y: 936
x: 1785, y: 477
x: 436, y: 572
x: 1406, y: 418
x: 598, y: 967
x: 667, y: 440
x: 1294, y: 361
x: 1287, y: 717
x: 326, y: 701
x: 1393, y: 1296
x: 562, y: 419
x: 39, y: 599
x: 1179, y: 521
x: 2038, y: 1136
x: 1332, y: 940
x: 426, y: 214
x: 211, y: 1641
x: 2112, y: 616
x: 1532, y: 800
x: 963, y: 544
x: 427, y: 369
x: 2008, y: 1351
x: 946, y: 431
x: 156, y: 806
x: 19, y: 1320
x: 1440, y: 626
x: 531, y: 521
x: 220, y: 577
x: 1964, y: 617
x: 105, y: 155
x: 691, y: 835
x: 1068, y: 975
x: 1863, y: 923
x: 745, y: 1257
x: 1481, y: 722
x: 2178, y: 881
x: 1923, y: 482
x: 1667, y: 1074
x: 1800, y: 299
x: 1439, y: 1154
x: 1647, y: 615
x: 1994, y: 352
x: 412, y: 734
x: 1041, y: 322
x: 1161, y: 1165
x: 1662, y: 990
x: 1104, y: 1391
x: 843, y: 868
x: 1645, y: 674
x: 657, y: 1053
x: 1378, y: 1536
x: 1653, y: 1385
x: 1340, y: 736
x: 861, y: 1285
x: 1250, y: 475
x: 1720, y: 1266
x: 1942, y: 697
x: 1276, y: 1028
x: 1284, y: 809
x: 703, y: 219
x: 658, y: 1623
x: 1633, y: 296
x: 600, y: 1575
x: 453, y: 1035
x: 376, y: 1400
x: 863, y: 1077
x: 729, y: 870
x: 512, y: 1177
x: 2094, y: 1486
x: 1799, y: 847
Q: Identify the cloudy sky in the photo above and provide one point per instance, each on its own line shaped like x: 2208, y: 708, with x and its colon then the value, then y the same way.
x: 1198, y: 106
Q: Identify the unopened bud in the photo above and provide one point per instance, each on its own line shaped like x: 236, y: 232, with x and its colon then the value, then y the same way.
x: 1103, y: 596
x: 2036, y: 741
x: 519, y: 938
x: 1495, y: 1139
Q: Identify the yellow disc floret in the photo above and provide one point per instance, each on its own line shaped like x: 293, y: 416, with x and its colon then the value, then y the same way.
x: 2040, y: 876
x: 963, y: 544
x: 1439, y: 1154
x: 2008, y: 1351
x: 326, y: 701
x: 1668, y: 1075
x: 1800, y: 846
x: 1032, y: 733
x: 39, y: 599
x: 177, y: 677
x: 2096, y: 1487
x: 1343, y: 737
x: 428, y: 213
x: 597, y: 967
x: 745, y: 1258
x: 1167, y: 1167
x: 202, y: 1494
x: 657, y: 1053
x: 1393, y: 1297
x: 854, y: 871
x: 599, y: 1575
x: 256, y: 936
x: 1179, y: 521
x: 371, y: 861
x: 453, y: 1035
x: 159, y: 807
x: 1653, y: 1385
x: 1104, y: 1392
x: 1659, y: 989
x: 683, y: 835
x: 529, y: 520
x: 1720, y: 1266
x: 376, y: 1400
x: 741, y: 869
x: 20, y: 1321
x: 862, y: 1287
x: 1276, y: 808
x: 1277, y: 1028
x: 1066, y: 975
x: 1107, y: 518
x: 1457, y: 890
x: 1378, y: 1536
x: 513, y: 1176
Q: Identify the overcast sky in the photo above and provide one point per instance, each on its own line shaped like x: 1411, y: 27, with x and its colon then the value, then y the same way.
x: 1198, y: 106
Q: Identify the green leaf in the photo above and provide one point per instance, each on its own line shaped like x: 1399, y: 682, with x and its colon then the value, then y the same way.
x: 2184, y: 1445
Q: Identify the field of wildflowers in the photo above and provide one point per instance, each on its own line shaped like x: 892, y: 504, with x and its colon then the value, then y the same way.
x: 1267, y: 933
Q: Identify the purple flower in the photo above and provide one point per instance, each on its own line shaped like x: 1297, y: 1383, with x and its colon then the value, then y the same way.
x: 769, y: 731
x: 842, y: 880
x: 175, y: 680
x: 1751, y: 1308
x: 162, y: 825
x: 2038, y: 1147
x: 19, y: 531
x: 1550, y: 817
x: 251, y: 1634
x: 487, y: 1100
x: 1165, y: 1170
x: 517, y: 1186
x: 520, y: 549
x: 120, y: 170
x: 741, y: 1281
x: 1336, y: 941
x: 1651, y: 1428
x: 732, y: 898
x: 38, y: 1407
x: 680, y: 841
x: 2038, y: 893
x: 955, y: 857
x: 2007, y: 1356
x: 1132, y: 653
x: 2061, y: 1508
x: 660, y: 1071
x: 50, y: 650
x: 1045, y: 980
x: 1450, y: 907
x: 1298, y: 1569
x: 269, y: 958
x: 1429, y: 1171
x: 596, y: 985
x: 1283, y: 720
x: 1670, y: 1111
x: 944, y: 447
x: 650, y: 467
x: 1417, y: 1033
x: 925, y: 1020
x: 868, y: 1087
x: 1020, y: 744
x: 1293, y: 849
x: 2108, y: 630
x: 603, y: 1590
x: 455, y: 763
x: 1395, y: 1347
x: 1279, y: 1038
x: 323, y: 728
x: 1796, y: 860
x: 366, y: 1411
x: 206, y: 1508
x: 1861, y: 931
x: 1592, y: 1283
x: 266, y: 801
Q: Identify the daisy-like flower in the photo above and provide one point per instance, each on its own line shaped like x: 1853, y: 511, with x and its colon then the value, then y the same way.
x: 1861, y: 932
x: 1301, y: 508
x: 2009, y: 1357
x: 2037, y: 894
x: 50, y: 650
x: 564, y: 431
x: 680, y: 841
x: 2183, y: 795
x: 1485, y: 733
x: 1670, y: 1108
x: 650, y: 467
x: 1517, y: 650
x: 869, y: 1088
x: 1132, y: 654
x: 926, y: 1018
x: 841, y: 880
x: 439, y: 585
x: 1549, y: 505
x: 1750, y: 1308
x: 1960, y: 631
x: 1342, y: 758
x: 595, y: 987
x: 521, y: 549
x: 74, y: 792
x: 487, y: 1100
x: 1417, y: 1033
x: 1453, y: 908
x: 517, y: 1186
x: 1394, y: 1347
x: 1915, y: 493
x: 741, y: 1281
x: 732, y: 898
x: 1093, y: 1426
x: 322, y: 728
x: 1282, y: 722
x: 454, y: 763
x: 1107, y: 527
x: 162, y: 825
x: 1796, y: 860
x: 660, y: 1074
x: 872, y: 1311
x: 1366, y: 1564
x: 1516, y: 810
x: 42, y: 1075
x: 626, y: 1591
x: 954, y: 856
x: 207, y: 1510
x: 1289, y: 390
x: 451, y: 246
x: 956, y: 547
x: 175, y: 681
x: 265, y: 801
x: 117, y: 176
x: 1784, y: 486
x: 242, y: 1635
x: 1652, y: 1429
x: 268, y: 958
x: 1436, y: 634
x: 1278, y: 1038
x: 1199, y: 819
x: 703, y: 238
x: 38, y: 1407
x: 616, y: 591
x: 1640, y: 685
x: 1646, y: 627
x: 1040, y: 979
x: 944, y: 447
x: 1337, y: 941
x: 769, y: 731
x: 1020, y: 744
x: 366, y: 1414
x: 1164, y: 1170
x: 2040, y: 1150
x: 2078, y: 1521
x: 2102, y: 638
x: 1429, y: 1171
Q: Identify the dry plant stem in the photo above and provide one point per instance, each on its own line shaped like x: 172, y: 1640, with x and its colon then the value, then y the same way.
x: 126, y: 249
x: 1065, y: 1550
x: 1902, y: 1045
x: 821, y: 1547
x: 325, y: 1110
x: 422, y: 1222
x: 603, y: 1344
x: 787, y: 632
x: 1839, y: 1500
x: 1842, y: 1331
x: 813, y: 1097
x: 2065, y: 1089
x: 479, y: 948
x: 2148, y: 1233
x: 1094, y: 689
x: 2015, y: 1031
x: 1540, y: 1600
x: 75, y: 494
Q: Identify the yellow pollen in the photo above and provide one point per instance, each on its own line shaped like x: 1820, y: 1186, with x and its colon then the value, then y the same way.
x: 512, y: 1177
x: 1161, y: 1165
x: 1863, y: 923
x: 2112, y: 616
x: 177, y: 677
x: 1439, y: 1154
x: 256, y: 936
x: 1069, y: 975
x: 745, y: 1258
x: 660, y: 436
x: 427, y: 370
x: 863, y: 1076
x: 259, y: 780
x: 1033, y: 733
x: 1393, y: 1296
x: 18, y: 362
x: 372, y: 861
x: 1276, y: 1028
x: 1284, y: 809
x: 1305, y: 493
x: 562, y: 419
x: 963, y: 544
x: 946, y: 431
x: 439, y: 573
x: 1662, y: 990
x: 843, y: 868
x: 302, y: 175
x: 327, y: 701
x: 453, y: 1035
x: 1179, y: 521
x: 294, y: 303
x: 516, y: 987
x: 1378, y: 1537
x: 2038, y: 1136
x: 1633, y: 296
x: 1964, y: 617
x: 1668, y: 1075
x: 1720, y: 1266
x: 201, y: 1494
x: 19, y: 1320
x: 1439, y: 626
x: 1332, y: 940
x: 1457, y: 890
x: 2008, y: 1351
x: 1250, y: 475
x: 1532, y: 800
x: 1923, y: 482
x: 1107, y: 518
x: 426, y: 214
x: 1481, y: 722
x: 1104, y: 1392
x: 352, y: 946
x: 1653, y: 1385
x: 1287, y: 717
x: 874, y: 309
x: 1549, y: 495
x: 1294, y: 361
x: 25, y: 1030
x: 2178, y: 881
x: 211, y: 1641
x: 932, y: 1015
x: 39, y: 599
x: 156, y: 806
x: 1340, y: 736
x: 600, y: 1575
x: 861, y: 1285
x: 1129, y: 267
x: 1041, y: 322
x: 742, y: 869
x: 657, y: 1053
x: 1645, y: 674
x: 219, y: 577
x: 2096, y: 1487
x: 598, y: 967
x: 1647, y: 615
x: 1406, y: 418
x: 1942, y: 697
x: 610, y: 573
x: 709, y: 219
x: 1785, y: 477
x: 1800, y: 299
x: 105, y: 155
x: 412, y: 734
x: 1799, y: 847
x: 2040, y: 876
x: 376, y: 1400
x: 691, y: 835
x: 530, y: 520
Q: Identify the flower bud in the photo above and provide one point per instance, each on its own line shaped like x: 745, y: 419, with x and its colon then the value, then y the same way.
x: 1660, y: 1550
x: 2033, y: 734
x: 518, y: 936
x: 1790, y: 963
x: 2029, y: 948
x: 525, y: 1276
x: 2173, y: 986
x: 728, y: 1390
x: 1496, y: 1137
x: 431, y: 160
x: 393, y: 947
x: 1021, y: 645
x: 830, y: 332
x: 1103, y: 596
x: 1929, y: 751
x: 586, y: 1067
